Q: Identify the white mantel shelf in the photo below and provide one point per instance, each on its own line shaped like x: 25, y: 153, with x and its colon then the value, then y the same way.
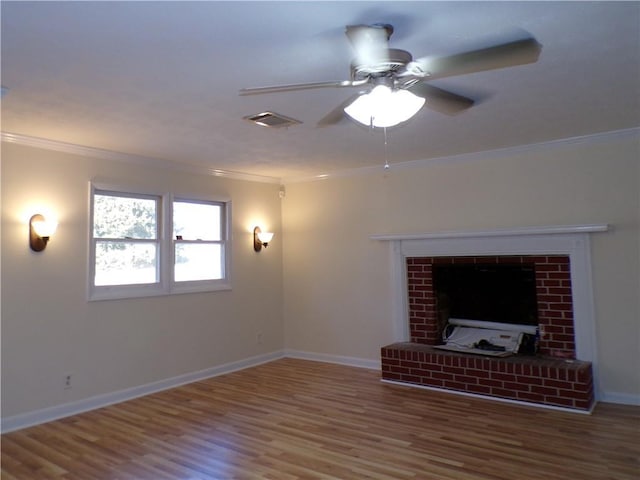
x: 545, y: 230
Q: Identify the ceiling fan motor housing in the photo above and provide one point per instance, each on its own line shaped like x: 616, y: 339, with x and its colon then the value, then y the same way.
x: 394, y: 60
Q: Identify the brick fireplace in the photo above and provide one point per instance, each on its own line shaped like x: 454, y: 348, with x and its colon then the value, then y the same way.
x: 563, y: 374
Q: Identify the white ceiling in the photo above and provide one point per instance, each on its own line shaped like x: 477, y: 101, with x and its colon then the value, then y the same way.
x: 161, y: 79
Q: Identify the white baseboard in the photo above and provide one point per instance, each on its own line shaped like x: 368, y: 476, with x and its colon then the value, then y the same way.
x: 328, y: 358
x: 36, y: 417
x: 621, y: 398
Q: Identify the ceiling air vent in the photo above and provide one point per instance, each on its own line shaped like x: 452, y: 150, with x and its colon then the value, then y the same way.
x: 271, y: 119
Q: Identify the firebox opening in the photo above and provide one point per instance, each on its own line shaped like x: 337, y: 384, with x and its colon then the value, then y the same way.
x: 498, y: 293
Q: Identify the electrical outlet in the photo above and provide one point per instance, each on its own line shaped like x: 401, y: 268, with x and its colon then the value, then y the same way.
x: 67, y: 381
x: 259, y: 338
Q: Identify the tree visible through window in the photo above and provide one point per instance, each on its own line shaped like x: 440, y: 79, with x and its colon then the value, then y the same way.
x: 125, y: 231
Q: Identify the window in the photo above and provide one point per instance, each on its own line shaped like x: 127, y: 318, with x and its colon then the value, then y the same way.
x: 125, y: 233
x: 145, y: 245
x: 198, y: 247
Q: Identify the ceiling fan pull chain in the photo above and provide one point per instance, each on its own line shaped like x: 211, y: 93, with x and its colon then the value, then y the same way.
x: 386, y: 156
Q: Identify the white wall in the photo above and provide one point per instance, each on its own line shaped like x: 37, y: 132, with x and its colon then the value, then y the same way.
x: 50, y: 329
x: 337, y: 280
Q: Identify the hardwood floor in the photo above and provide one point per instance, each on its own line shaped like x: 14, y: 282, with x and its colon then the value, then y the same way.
x: 295, y: 419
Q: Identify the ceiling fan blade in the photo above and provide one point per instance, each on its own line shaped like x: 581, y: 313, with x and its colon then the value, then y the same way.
x: 519, y: 52
x: 337, y: 114
x: 300, y: 86
x: 370, y: 42
x: 441, y: 100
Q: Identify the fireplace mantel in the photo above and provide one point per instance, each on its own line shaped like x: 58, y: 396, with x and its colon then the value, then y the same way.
x: 544, y: 230
x: 570, y: 240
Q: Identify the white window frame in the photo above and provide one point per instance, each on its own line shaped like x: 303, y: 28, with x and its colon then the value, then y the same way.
x: 202, y: 285
x: 165, y: 257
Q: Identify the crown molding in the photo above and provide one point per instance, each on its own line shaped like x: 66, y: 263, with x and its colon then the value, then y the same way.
x: 203, y: 170
x: 128, y: 158
x: 592, y: 139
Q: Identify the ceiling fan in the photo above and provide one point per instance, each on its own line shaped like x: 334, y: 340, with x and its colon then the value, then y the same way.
x: 395, y: 71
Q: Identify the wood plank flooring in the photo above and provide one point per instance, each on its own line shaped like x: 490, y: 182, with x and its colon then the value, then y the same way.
x: 295, y: 419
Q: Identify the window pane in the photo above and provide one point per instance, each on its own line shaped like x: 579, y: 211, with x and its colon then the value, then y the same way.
x: 124, y: 217
x: 198, y: 262
x: 125, y: 263
x: 196, y: 221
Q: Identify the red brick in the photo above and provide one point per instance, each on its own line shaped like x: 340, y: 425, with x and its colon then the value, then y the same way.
x: 530, y: 380
x: 556, y: 383
x: 538, y: 259
x: 565, y: 402
x: 560, y: 291
x: 583, y: 387
x: 505, y: 377
x: 562, y: 337
x: 418, y: 260
x: 544, y: 390
x: 500, y: 392
x: 466, y: 379
x: 479, y: 389
x: 421, y: 327
x: 410, y: 363
x: 560, y: 306
x: 426, y: 287
x: 549, y: 298
x: 490, y: 382
x: 398, y: 369
x: 477, y: 373
x: 516, y: 386
x: 413, y: 268
x: 453, y: 385
x: 561, y: 260
x: 442, y: 260
x: 454, y: 370
x: 434, y: 382
x: 530, y: 397
x: 432, y: 367
x: 442, y: 375
x: 583, y: 404
x: 547, y: 267
x: 572, y: 394
x: 418, y: 275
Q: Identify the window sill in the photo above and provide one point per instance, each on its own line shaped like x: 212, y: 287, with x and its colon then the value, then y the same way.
x: 119, y: 293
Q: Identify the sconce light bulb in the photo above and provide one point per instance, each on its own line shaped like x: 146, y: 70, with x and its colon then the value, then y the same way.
x: 265, y: 237
x: 45, y: 228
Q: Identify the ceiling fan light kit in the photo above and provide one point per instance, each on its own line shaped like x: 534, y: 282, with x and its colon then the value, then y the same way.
x: 384, y: 107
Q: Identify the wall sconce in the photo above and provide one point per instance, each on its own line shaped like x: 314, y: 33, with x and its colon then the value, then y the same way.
x: 40, y: 230
x: 261, y: 239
